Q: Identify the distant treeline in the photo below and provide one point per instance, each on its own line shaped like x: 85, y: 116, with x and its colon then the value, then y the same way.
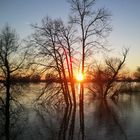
x: 37, y: 78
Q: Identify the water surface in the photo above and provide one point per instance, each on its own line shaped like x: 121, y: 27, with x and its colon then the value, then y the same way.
x: 96, y: 120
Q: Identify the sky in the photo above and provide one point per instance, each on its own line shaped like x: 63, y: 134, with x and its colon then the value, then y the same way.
x: 20, y: 14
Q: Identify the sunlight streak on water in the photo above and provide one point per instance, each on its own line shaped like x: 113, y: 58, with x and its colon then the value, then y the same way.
x: 79, y: 86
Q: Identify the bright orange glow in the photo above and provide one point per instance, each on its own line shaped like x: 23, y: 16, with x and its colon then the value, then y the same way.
x: 80, y: 77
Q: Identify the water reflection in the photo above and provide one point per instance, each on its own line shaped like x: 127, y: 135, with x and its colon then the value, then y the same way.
x: 12, y: 117
x: 81, y: 111
x: 108, y: 121
x: 105, y: 116
x: 67, y: 125
x: 42, y: 117
x: 66, y: 118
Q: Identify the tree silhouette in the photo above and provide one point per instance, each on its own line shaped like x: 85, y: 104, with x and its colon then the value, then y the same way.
x: 54, y: 41
x: 10, y: 63
x: 93, y: 25
x: 105, y: 77
x: 137, y: 74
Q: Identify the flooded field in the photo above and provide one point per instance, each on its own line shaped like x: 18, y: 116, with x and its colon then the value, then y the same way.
x: 97, y: 119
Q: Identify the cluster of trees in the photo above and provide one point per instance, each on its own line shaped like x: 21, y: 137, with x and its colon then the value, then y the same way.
x: 54, y: 44
x: 137, y: 74
x: 105, y: 78
x: 59, y: 48
x: 26, y: 78
x: 57, y: 41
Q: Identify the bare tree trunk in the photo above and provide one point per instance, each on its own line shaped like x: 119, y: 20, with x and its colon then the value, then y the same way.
x: 7, y: 106
x: 7, y: 112
x: 68, y: 62
x: 63, y: 84
x: 72, y: 78
x: 67, y: 93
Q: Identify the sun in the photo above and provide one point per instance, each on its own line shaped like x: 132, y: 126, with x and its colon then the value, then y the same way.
x: 80, y: 77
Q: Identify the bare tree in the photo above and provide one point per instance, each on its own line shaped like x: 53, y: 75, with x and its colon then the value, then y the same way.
x: 12, y: 57
x: 48, y: 40
x: 55, y: 40
x: 105, y: 78
x: 114, y: 66
x: 66, y: 40
x: 93, y: 25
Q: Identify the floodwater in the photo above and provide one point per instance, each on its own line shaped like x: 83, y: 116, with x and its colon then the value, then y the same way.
x: 96, y: 120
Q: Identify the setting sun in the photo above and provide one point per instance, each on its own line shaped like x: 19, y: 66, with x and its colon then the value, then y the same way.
x: 79, y: 77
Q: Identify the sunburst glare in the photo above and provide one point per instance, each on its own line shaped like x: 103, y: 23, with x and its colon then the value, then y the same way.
x: 80, y: 77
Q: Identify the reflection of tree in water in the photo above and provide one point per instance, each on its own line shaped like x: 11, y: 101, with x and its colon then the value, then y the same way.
x: 68, y: 122
x: 69, y: 129
x: 67, y: 125
x: 61, y: 122
x: 50, y: 108
x: 1, y: 111
x: 81, y: 112
x: 16, y: 114
x: 51, y: 96
x: 107, y: 121
x: 56, y: 121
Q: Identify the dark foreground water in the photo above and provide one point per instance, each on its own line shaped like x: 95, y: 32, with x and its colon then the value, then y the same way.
x: 97, y: 120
